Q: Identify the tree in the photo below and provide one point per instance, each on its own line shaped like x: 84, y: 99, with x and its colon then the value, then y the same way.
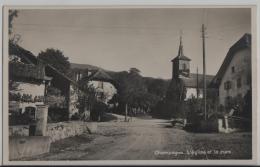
x: 55, y: 58
x: 12, y: 14
x: 14, y: 38
x: 157, y: 87
x: 174, y: 101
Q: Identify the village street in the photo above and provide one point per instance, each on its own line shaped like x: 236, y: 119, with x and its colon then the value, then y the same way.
x: 144, y: 139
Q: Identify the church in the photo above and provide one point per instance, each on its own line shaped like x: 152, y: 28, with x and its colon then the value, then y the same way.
x: 181, y: 70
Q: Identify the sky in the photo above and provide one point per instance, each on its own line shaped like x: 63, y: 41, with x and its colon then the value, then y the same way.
x: 144, y: 38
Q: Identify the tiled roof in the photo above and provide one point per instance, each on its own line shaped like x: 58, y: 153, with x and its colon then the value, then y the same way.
x: 25, y: 55
x: 242, y: 43
x: 31, y: 60
x: 84, y: 66
x: 100, y: 75
x: 29, y: 71
x: 193, y: 79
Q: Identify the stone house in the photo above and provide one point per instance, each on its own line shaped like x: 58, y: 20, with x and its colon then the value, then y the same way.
x: 68, y: 89
x: 96, y: 78
x: 233, y: 79
x: 62, y: 106
x: 27, y: 85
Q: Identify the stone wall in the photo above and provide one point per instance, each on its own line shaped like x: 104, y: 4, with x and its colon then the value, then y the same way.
x: 74, y: 100
x: 55, y: 131
x: 19, y: 130
x: 25, y: 146
x: 62, y: 130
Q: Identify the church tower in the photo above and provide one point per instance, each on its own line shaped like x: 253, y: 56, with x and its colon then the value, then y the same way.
x: 180, y: 64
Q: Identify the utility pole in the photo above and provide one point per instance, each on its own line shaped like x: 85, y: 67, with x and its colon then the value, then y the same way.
x: 204, y: 73
x: 126, y: 112
x: 197, y: 83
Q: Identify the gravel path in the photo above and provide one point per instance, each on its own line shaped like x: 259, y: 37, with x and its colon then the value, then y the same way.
x: 148, y: 139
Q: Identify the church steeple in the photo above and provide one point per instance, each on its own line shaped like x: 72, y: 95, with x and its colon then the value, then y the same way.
x: 181, y: 63
x: 180, y: 53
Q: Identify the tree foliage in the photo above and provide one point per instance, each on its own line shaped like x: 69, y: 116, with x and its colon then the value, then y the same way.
x: 12, y: 14
x: 157, y: 87
x: 172, y: 106
x: 55, y: 58
x: 14, y: 38
x: 135, y: 91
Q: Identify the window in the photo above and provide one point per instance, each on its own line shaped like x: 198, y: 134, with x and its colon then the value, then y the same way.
x: 184, y: 66
x: 239, y: 83
x: 78, y: 76
x: 227, y: 85
x: 233, y: 69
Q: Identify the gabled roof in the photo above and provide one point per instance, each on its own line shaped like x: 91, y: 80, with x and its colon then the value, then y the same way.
x: 27, y: 71
x: 180, y: 55
x: 31, y: 59
x: 54, y: 70
x: 25, y: 55
x: 97, y: 73
x: 100, y: 75
x: 242, y: 43
x: 28, y: 68
x: 84, y: 66
x: 193, y: 79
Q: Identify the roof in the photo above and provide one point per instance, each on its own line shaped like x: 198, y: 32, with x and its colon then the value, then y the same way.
x: 25, y: 55
x: 84, y: 66
x: 193, y: 79
x: 242, y: 43
x: 53, y: 69
x: 100, y: 75
x: 31, y: 59
x: 180, y: 55
x: 28, y: 67
x: 29, y: 71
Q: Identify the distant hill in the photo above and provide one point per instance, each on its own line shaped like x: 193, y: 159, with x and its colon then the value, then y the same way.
x: 85, y: 66
x: 111, y: 73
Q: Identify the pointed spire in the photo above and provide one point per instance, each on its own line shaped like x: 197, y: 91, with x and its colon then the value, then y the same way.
x: 180, y: 53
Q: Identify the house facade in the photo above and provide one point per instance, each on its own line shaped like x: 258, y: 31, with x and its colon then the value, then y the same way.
x: 233, y: 79
x: 99, y: 80
x: 43, y: 81
x: 27, y: 85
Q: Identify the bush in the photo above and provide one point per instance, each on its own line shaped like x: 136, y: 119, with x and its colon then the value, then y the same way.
x: 75, y: 116
x: 97, y: 111
x: 57, y: 115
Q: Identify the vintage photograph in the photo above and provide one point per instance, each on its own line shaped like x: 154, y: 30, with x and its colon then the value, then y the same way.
x: 129, y: 84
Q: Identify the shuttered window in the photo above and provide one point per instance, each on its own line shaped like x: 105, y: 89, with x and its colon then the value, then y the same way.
x: 227, y: 85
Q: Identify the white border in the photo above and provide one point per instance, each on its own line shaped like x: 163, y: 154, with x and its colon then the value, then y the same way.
x: 133, y: 3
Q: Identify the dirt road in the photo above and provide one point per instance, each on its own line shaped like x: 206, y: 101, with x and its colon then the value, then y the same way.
x: 146, y: 139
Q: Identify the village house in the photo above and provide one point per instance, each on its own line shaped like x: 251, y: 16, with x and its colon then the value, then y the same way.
x: 27, y: 85
x: 181, y: 69
x: 58, y: 91
x: 96, y: 78
x: 233, y: 79
x: 228, y: 92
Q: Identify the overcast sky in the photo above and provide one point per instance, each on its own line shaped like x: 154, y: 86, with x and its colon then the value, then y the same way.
x: 118, y: 39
